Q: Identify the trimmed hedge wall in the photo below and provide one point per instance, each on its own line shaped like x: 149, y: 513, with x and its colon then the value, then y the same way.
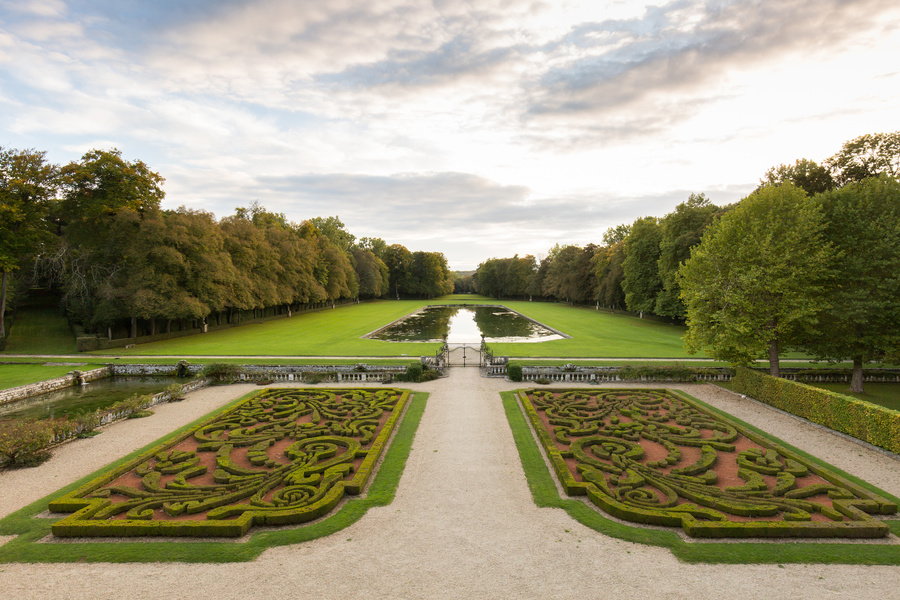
x: 863, y: 420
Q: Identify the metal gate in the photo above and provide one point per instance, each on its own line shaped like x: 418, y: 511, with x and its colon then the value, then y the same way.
x: 465, y: 355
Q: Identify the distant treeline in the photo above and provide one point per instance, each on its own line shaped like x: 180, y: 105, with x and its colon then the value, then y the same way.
x: 94, y: 231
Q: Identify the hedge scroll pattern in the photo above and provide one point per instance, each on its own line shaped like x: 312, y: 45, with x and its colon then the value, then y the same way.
x: 656, y: 457
x: 283, y: 456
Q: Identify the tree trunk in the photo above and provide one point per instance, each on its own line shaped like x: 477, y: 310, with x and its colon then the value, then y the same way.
x: 856, y: 381
x: 168, y: 325
x: 133, y: 327
x: 152, y: 326
x: 3, y: 305
x: 774, y: 369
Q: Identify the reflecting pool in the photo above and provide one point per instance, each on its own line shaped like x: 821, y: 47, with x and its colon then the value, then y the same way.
x: 91, y: 396
x: 466, y: 325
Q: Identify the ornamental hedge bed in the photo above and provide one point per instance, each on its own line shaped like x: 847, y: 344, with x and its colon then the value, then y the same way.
x: 282, y: 456
x: 658, y: 457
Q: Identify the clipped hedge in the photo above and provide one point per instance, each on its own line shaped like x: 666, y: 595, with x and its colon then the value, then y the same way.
x: 863, y: 420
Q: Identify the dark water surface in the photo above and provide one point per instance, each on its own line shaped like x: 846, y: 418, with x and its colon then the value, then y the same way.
x: 465, y: 325
x: 86, y: 398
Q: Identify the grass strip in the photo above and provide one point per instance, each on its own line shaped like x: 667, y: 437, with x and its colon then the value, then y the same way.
x: 29, y: 530
x: 545, y: 494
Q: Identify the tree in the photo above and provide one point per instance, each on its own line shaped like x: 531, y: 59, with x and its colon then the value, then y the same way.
x: 398, y: 260
x: 863, y: 224
x: 99, y: 186
x: 805, y: 174
x: 27, y: 188
x: 756, y: 281
x: 641, y: 281
x: 371, y: 272
x: 867, y: 156
x: 681, y: 231
x: 609, y: 274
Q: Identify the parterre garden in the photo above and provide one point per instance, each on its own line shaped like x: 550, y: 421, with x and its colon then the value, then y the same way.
x: 657, y: 457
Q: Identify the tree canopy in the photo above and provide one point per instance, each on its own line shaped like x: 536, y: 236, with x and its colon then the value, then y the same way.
x: 756, y: 282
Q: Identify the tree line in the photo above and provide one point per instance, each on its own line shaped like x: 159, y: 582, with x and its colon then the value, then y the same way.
x: 809, y: 261
x: 95, y: 231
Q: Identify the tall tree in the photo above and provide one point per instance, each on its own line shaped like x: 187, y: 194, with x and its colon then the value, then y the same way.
x: 27, y: 188
x: 863, y: 224
x: 641, y: 281
x: 681, y: 231
x: 756, y: 282
x: 609, y: 273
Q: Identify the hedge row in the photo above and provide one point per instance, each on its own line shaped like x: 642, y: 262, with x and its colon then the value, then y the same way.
x: 863, y: 420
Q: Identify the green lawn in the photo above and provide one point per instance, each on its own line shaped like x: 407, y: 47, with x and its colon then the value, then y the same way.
x: 14, y: 375
x: 339, y: 332
x: 335, y: 332
x: 40, y: 330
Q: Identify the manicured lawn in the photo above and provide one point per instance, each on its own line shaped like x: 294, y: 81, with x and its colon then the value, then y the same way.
x: 40, y: 330
x: 335, y: 332
x: 339, y: 332
x: 14, y: 375
x: 597, y: 334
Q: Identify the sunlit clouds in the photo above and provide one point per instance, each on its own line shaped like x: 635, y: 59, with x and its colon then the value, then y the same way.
x: 477, y: 129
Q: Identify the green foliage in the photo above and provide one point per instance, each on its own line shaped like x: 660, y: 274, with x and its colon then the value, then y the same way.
x: 414, y: 371
x: 865, y: 421
x: 805, y: 174
x: 23, y: 443
x: 681, y: 231
x: 221, y: 371
x: 514, y: 371
x: 867, y: 156
x: 863, y: 224
x: 641, y: 282
x: 756, y: 280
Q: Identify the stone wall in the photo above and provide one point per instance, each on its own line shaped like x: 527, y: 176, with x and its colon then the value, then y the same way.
x: 51, y: 385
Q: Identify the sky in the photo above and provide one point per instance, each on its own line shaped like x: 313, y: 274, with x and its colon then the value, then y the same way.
x: 476, y: 128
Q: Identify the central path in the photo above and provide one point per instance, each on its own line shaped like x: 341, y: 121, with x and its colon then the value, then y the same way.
x: 463, y: 525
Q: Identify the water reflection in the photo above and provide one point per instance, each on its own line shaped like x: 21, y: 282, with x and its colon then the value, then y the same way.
x: 466, y: 325
x: 76, y: 399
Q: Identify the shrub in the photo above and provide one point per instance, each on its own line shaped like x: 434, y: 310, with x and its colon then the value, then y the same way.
x: 514, y: 371
x: 414, y: 372
x: 221, y: 371
x: 866, y: 421
x: 176, y: 392
x: 23, y: 443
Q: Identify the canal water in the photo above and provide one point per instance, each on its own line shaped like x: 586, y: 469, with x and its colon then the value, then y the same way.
x: 89, y: 397
x: 466, y: 325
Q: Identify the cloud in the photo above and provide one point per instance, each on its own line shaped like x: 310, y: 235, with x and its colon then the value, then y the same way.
x: 678, y: 57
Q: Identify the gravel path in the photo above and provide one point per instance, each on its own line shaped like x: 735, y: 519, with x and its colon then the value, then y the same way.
x: 463, y: 524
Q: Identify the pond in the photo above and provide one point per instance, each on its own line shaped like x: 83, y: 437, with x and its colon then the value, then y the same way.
x: 89, y: 397
x: 465, y: 325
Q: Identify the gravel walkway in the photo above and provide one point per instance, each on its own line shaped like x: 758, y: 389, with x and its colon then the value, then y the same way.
x: 463, y: 524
